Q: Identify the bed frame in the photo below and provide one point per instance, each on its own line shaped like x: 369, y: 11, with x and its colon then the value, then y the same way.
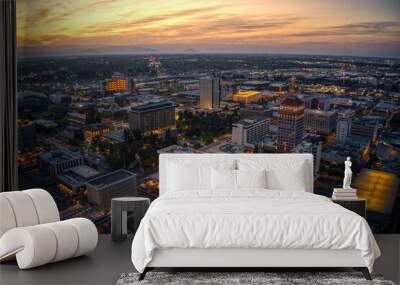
x: 240, y: 259
x: 249, y: 259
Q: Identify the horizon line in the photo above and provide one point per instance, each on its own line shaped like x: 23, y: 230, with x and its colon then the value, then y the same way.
x: 206, y: 53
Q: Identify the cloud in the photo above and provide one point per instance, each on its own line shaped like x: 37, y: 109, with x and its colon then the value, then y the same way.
x: 374, y: 27
x: 356, y: 29
x: 53, y: 11
x: 35, y: 14
x: 193, y: 24
x: 131, y: 24
x: 229, y: 29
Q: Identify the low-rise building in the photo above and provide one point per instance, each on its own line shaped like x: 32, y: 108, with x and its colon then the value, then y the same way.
x: 317, y: 102
x: 250, y: 131
x: 320, y: 122
x: 73, y: 132
x: 364, y: 130
x: 119, y: 183
x: 55, y: 162
x: 74, y: 180
x: 96, y: 129
x: 117, y: 83
x: 77, y: 119
x: 256, y: 85
x: 60, y: 98
x: 247, y: 96
x: 228, y: 105
x: 152, y: 116
x: 254, y: 110
x: 177, y: 149
x: 279, y: 87
x: 190, y: 95
x: 336, y: 154
x: 115, y: 136
x: 26, y: 135
x: 45, y: 125
x: 315, y: 150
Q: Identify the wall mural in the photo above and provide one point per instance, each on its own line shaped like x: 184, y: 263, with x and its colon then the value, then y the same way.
x: 104, y: 87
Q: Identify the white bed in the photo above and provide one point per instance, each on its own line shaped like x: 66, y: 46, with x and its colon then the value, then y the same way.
x: 202, y: 226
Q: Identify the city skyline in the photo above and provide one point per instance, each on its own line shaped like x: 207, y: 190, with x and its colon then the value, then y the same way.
x: 105, y: 87
x: 362, y: 28
x: 85, y: 117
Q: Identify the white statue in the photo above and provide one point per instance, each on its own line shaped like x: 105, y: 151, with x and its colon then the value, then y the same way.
x: 347, y: 174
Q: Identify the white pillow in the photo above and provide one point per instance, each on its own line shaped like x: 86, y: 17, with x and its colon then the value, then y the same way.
x: 186, y: 175
x: 182, y: 177
x: 223, y: 179
x: 292, y: 179
x: 251, y: 178
x: 281, y: 175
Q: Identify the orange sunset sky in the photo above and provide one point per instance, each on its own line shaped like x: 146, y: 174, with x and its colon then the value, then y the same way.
x: 352, y: 27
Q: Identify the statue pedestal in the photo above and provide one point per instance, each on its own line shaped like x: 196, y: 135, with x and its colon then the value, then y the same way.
x: 344, y: 194
x: 345, y: 190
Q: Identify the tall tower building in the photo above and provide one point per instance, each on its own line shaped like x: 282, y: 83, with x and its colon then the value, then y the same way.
x: 292, y: 85
x: 290, y: 122
x: 131, y: 84
x: 209, y: 93
x: 131, y: 81
x: 343, y: 129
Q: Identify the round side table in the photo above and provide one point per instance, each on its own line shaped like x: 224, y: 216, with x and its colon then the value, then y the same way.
x: 120, y: 207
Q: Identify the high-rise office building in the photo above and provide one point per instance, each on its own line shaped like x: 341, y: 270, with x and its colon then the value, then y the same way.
x: 321, y: 122
x: 292, y: 85
x: 131, y: 84
x: 210, y: 90
x: 290, y: 123
x: 250, y: 131
x: 152, y: 117
x: 343, y: 128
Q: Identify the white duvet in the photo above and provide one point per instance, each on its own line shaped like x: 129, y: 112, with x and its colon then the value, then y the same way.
x: 250, y: 219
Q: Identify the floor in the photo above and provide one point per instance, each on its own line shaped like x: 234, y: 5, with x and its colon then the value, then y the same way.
x: 103, y: 266
x: 110, y: 260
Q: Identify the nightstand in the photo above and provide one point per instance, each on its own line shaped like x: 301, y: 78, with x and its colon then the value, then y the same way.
x: 357, y: 205
x: 120, y: 208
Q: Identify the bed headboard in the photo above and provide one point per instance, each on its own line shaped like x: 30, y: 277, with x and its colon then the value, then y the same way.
x: 211, y: 158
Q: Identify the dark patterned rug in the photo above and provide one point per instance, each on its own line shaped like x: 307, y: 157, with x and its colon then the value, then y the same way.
x: 243, y: 278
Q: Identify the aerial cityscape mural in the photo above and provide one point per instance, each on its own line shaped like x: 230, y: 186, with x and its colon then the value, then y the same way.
x: 104, y: 87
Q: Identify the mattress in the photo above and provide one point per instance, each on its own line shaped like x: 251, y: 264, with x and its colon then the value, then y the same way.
x: 251, y: 219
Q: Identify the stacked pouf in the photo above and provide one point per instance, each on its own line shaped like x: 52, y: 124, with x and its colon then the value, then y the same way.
x: 31, y: 230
